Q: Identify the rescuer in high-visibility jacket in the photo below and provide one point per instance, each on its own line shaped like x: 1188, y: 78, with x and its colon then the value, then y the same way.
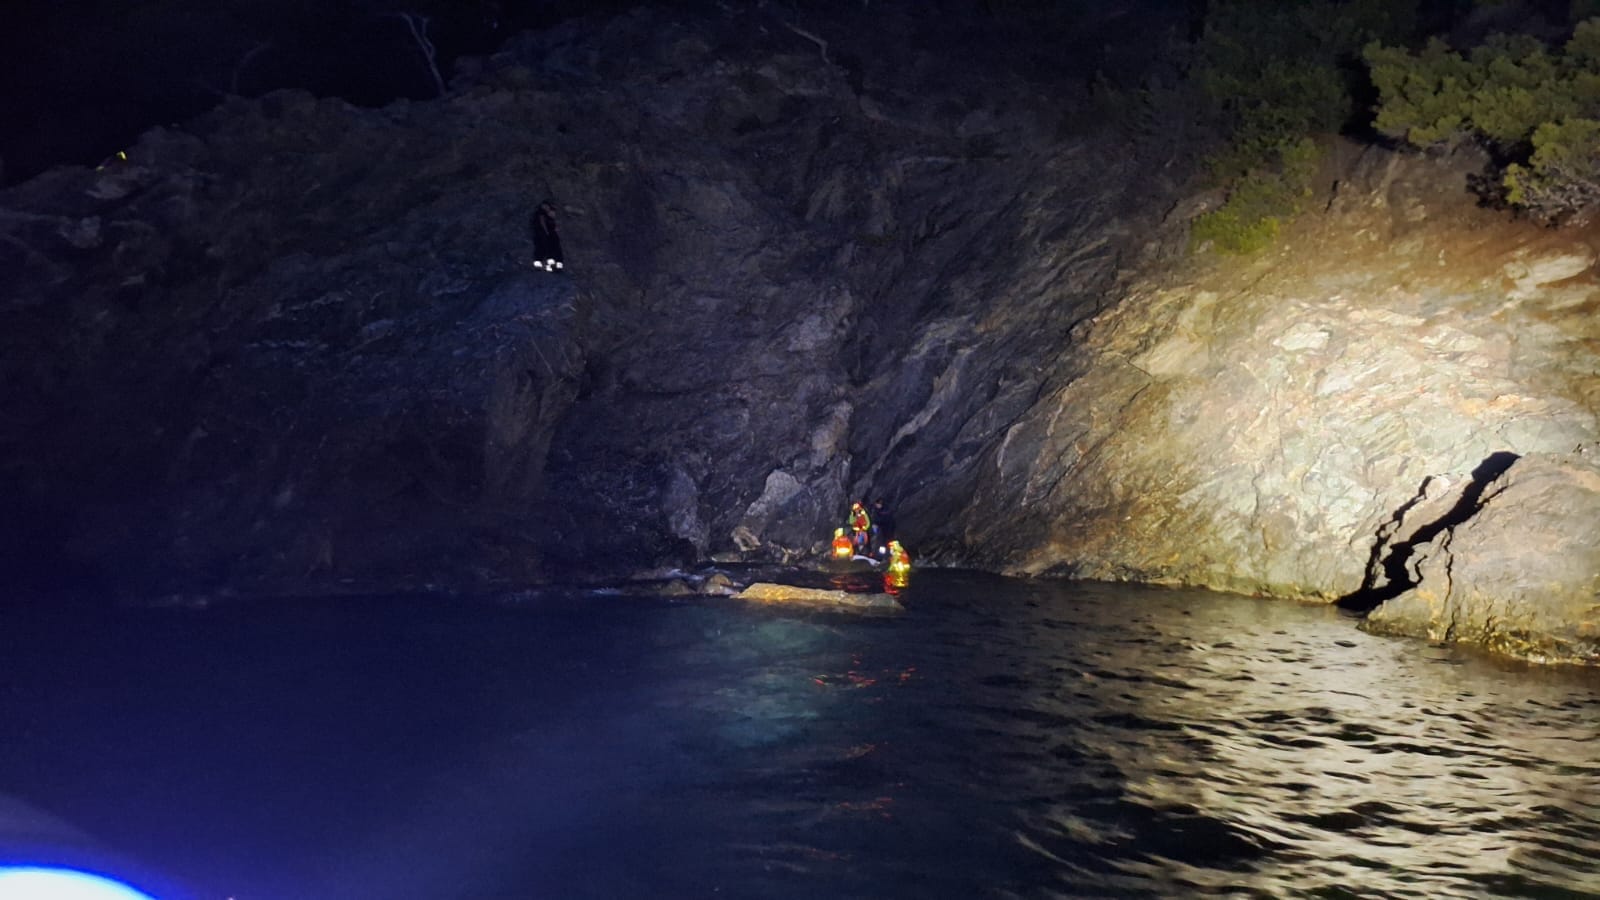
x: 841, y: 545
x: 861, y: 528
x: 899, y: 559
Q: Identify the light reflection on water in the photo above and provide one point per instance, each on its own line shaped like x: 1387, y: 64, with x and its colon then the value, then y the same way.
x: 1087, y: 739
x: 1001, y: 739
x: 1275, y: 752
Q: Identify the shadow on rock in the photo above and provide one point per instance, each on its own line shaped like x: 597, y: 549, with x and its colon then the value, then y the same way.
x: 1390, y: 571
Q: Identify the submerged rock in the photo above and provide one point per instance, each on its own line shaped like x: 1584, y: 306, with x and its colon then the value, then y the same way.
x: 719, y: 585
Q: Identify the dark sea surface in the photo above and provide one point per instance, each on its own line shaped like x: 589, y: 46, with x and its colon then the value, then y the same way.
x: 1000, y: 739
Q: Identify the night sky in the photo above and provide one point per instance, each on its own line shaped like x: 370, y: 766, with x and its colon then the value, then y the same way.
x: 80, y: 79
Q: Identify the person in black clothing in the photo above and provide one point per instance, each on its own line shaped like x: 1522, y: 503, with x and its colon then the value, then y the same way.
x: 882, y: 524
x: 546, y: 238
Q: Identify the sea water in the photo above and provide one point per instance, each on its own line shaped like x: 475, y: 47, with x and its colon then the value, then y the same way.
x: 1000, y: 738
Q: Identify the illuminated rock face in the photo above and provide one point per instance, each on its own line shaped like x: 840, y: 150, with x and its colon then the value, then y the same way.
x: 1521, y: 574
x: 1263, y: 425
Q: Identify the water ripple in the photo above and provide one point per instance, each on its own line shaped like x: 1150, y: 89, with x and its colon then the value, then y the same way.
x: 1001, y: 740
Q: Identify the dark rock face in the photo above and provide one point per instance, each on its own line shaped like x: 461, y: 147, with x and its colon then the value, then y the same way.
x: 295, y: 343
x: 803, y: 291
x: 242, y: 363
x: 328, y: 410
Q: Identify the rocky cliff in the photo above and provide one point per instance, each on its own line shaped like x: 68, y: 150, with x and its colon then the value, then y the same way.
x: 296, y: 343
x: 1395, y: 406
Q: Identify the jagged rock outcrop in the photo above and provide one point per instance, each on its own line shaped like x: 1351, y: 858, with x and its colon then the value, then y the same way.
x: 1515, y: 568
x: 1262, y: 426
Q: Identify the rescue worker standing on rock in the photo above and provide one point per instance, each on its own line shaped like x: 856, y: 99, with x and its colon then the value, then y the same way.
x: 861, y: 529
x: 546, y: 238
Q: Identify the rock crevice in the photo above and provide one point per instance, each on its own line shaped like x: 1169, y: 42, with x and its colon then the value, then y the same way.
x: 1441, y: 504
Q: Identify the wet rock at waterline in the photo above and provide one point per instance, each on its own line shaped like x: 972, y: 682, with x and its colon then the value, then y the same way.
x: 1520, y: 575
x: 841, y: 601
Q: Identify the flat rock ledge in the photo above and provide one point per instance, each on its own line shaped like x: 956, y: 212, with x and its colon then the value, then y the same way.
x: 869, y: 604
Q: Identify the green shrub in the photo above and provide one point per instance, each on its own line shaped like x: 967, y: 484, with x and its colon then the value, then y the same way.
x: 1237, y: 228
x: 1424, y: 95
x: 1272, y: 73
x: 1260, y: 202
x: 1278, y: 70
x: 1535, y: 109
x: 1561, y: 182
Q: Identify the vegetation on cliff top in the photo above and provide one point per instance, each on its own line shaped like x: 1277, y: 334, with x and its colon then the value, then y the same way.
x: 1263, y: 77
x: 1271, y: 75
x: 1536, y: 110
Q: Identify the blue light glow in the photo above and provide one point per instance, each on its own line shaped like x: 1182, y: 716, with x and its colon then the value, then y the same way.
x: 34, y: 883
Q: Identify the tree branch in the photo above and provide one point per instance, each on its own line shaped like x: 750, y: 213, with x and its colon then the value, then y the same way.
x: 244, y: 63
x: 418, y: 25
x: 821, y: 44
